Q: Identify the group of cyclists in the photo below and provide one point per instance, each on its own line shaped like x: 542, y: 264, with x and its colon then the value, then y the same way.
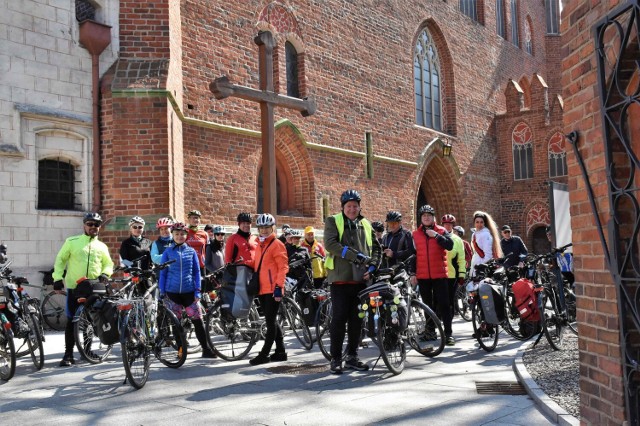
x: 354, y: 248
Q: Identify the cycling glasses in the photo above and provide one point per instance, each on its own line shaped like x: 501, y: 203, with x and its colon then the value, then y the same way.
x: 137, y: 227
x: 219, y: 233
x: 92, y: 224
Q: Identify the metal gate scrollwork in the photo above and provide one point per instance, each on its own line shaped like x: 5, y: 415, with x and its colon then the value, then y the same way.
x: 617, y: 50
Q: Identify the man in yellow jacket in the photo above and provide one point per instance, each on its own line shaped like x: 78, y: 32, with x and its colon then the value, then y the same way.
x: 456, y: 262
x: 317, y: 253
x: 82, y: 256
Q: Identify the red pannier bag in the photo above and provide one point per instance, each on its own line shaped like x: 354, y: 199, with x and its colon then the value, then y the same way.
x: 526, y: 300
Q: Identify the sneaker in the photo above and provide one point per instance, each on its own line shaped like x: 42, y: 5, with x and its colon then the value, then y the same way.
x: 450, y: 341
x: 336, y: 366
x: 260, y: 359
x: 354, y: 363
x: 278, y: 356
x: 208, y: 353
x: 67, y: 361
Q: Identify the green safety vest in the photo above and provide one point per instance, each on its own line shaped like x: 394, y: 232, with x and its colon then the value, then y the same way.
x: 328, y: 263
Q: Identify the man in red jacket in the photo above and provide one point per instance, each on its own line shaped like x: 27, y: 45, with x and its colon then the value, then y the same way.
x: 432, y: 242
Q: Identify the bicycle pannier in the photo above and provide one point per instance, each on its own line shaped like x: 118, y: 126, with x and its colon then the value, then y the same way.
x: 236, y: 301
x: 104, y: 315
x: 491, y: 301
x: 526, y: 300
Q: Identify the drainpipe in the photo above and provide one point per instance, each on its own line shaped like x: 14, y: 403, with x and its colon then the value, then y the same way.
x: 95, y: 37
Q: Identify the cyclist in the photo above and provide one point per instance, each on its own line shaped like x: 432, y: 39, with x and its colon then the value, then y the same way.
x: 456, y: 263
x: 378, y: 229
x: 485, y: 240
x: 513, y: 247
x: 299, y: 256
x: 397, y: 244
x: 136, y: 246
x: 272, y: 265
x: 82, y: 256
x: 196, y: 238
x: 179, y: 283
x: 284, y: 231
x: 431, y: 274
x: 468, y: 251
x: 353, y: 254
x: 163, y: 225
x: 241, y: 244
x: 317, y: 253
x: 215, y: 249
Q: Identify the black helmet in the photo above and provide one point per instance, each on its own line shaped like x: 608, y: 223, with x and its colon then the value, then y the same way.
x: 377, y: 226
x: 349, y: 195
x: 244, y: 217
x: 208, y: 227
x: 459, y: 230
x: 394, y: 216
x: 93, y: 217
x: 426, y: 209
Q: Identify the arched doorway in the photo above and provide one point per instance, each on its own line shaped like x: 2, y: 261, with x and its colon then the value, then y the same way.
x: 438, y: 185
x: 540, y: 242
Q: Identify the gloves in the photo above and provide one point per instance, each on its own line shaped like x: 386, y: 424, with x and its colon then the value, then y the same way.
x: 277, y: 293
x: 58, y: 285
x: 371, y: 269
x: 362, y: 258
x: 103, y: 278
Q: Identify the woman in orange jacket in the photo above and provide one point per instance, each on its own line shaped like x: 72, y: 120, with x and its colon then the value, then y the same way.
x: 272, y: 264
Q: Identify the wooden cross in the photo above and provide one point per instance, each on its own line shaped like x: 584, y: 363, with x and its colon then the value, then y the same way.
x: 268, y: 99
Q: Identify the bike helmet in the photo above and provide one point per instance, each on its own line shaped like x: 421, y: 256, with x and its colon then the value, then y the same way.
x: 208, y: 227
x: 294, y: 233
x: 218, y: 229
x: 194, y: 213
x: 244, y: 217
x: 448, y: 218
x: 349, y: 195
x: 164, y: 222
x: 427, y: 209
x: 394, y: 216
x: 92, y: 217
x: 459, y: 230
x: 136, y: 219
x: 179, y: 226
x: 377, y: 226
x: 265, y: 219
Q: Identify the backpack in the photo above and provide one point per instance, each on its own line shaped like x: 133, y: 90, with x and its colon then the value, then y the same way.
x: 491, y: 301
x: 104, y: 316
x: 525, y: 300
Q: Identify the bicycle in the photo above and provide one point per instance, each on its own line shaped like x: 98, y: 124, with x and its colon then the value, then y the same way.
x: 54, y: 304
x: 290, y: 316
x: 147, y: 327
x: 7, y: 348
x: 23, y: 315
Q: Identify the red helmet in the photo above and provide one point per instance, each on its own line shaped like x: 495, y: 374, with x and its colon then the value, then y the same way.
x: 179, y: 226
x: 448, y: 218
x: 164, y: 222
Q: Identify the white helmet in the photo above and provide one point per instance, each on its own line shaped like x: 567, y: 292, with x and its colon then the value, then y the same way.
x: 136, y: 219
x: 265, y: 219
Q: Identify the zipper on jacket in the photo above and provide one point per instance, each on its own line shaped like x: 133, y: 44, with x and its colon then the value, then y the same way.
x: 180, y: 255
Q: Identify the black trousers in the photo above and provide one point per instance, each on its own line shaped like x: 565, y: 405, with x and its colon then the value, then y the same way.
x: 344, y: 305
x: 435, y: 293
x: 274, y: 333
x: 69, y: 336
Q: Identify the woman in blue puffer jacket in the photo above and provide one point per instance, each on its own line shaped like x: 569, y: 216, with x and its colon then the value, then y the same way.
x: 179, y: 284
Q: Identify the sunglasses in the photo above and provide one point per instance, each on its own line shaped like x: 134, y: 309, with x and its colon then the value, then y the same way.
x: 137, y: 227
x: 92, y: 224
x: 220, y: 233
x: 506, y: 232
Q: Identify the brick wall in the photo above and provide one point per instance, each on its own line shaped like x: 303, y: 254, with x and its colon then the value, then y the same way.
x: 601, y: 386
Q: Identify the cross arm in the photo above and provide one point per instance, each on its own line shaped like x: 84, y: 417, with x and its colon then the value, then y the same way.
x: 222, y: 88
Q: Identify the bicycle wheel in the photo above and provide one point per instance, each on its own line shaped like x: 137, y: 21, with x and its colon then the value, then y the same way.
x: 7, y: 355
x: 485, y: 334
x: 170, y: 343
x: 34, y: 340
x: 461, y: 303
x: 323, y: 321
x: 570, y: 302
x: 552, y: 322
x: 88, y: 344
x: 135, y: 352
x: 53, y: 310
x: 391, y: 344
x: 296, y: 323
x: 231, y: 338
x: 513, y: 324
x: 424, y: 330
x: 193, y: 345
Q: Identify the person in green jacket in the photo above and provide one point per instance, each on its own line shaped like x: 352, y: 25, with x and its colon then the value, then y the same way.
x: 456, y: 262
x: 353, y: 253
x: 82, y: 256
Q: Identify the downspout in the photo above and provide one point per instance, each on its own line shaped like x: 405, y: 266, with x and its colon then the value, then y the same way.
x: 95, y: 37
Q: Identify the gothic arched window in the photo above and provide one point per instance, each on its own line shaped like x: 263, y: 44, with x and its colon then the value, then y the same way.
x: 291, y: 54
x: 515, y: 35
x: 427, y: 83
x: 557, y: 156
x: 522, y: 145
